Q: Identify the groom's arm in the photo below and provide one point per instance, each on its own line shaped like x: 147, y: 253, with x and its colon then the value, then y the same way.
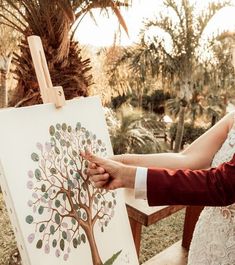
x: 212, y: 187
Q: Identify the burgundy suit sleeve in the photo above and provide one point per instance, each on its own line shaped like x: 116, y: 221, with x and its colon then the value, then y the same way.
x: 211, y: 187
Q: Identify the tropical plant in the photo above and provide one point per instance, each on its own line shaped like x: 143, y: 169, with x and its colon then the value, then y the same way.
x: 125, y: 78
x: 134, y: 132
x: 185, y: 34
x: 220, y: 76
x: 181, y: 25
x: 156, y: 101
x: 55, y: 22
x: 191, y: 133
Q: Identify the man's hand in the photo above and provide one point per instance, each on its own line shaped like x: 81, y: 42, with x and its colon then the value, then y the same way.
x: 109, y: 174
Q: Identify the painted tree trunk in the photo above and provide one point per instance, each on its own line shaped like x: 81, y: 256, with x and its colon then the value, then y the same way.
x: 180, y: 129
x: 94, y: 250
x: 3, y: 89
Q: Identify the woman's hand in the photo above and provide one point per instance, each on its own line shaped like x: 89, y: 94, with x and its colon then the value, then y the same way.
x: 109, y: 174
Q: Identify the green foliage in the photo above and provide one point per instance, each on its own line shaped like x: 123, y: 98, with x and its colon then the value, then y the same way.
x: 172, y: 55
x: 155, y: 101
x: 191, y: 133
x: 117, y: 101
x: 113, y: 258
x: 133, y: 132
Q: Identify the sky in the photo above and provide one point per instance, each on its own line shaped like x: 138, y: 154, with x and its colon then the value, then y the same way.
x: 103, y: 33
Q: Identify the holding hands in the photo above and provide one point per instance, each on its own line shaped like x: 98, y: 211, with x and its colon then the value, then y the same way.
x: 109, y: 174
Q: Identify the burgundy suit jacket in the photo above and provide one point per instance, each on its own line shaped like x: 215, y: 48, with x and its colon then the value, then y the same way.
x: 210, y: 187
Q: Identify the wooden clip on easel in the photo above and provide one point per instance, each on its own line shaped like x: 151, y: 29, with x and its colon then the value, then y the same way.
x: 49, y: 93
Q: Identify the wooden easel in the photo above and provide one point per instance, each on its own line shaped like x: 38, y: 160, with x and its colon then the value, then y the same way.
x: 49, y: 93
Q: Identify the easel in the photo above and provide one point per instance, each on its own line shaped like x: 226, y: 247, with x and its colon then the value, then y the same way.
x: 49, y: 93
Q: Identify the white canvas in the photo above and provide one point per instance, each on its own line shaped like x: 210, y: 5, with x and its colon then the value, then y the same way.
x: 58, y: 216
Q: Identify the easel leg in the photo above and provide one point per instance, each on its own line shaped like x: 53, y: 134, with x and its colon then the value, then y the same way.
x: 136, y: 229
x: 191, y: 216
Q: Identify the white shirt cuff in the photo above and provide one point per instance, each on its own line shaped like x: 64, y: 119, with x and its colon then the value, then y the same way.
x: 141, y: 183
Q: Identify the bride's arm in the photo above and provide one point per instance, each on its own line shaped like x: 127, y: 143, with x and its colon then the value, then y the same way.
x: 198, y: 155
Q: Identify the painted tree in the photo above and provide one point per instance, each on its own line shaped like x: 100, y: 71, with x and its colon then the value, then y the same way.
x: 66, y: 208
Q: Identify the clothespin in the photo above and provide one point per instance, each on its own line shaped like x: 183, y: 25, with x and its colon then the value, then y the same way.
x: 49, y: 93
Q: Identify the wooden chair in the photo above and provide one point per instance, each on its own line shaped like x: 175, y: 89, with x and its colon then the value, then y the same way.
x: 141, y: 214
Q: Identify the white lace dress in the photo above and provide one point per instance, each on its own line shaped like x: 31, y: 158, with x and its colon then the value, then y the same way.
x: 213, y: 240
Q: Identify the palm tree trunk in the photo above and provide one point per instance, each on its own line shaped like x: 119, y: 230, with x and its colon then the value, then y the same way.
x: 3, y: 91
x: 3, y: 88
x: 193, y: 118
x: 213, y: 120
x: 5, y: 62
x: 180, y: 129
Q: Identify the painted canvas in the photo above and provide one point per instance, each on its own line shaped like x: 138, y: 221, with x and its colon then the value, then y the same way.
x: 58, y: 216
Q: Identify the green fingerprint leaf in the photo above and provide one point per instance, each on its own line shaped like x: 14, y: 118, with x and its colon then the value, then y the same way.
x: 57, y: 150
x: 58, y: 126
x: 57, y: 135
x: 37, y: 174
x: 64, y: 126
x: 40, y: 209
x: 57, y: 218
x: 83, y: 238
x: 53, y: 170
x: 29, y: 219
x: 52, y: 229
x: 62, y: 244
x: 57, y: 203
x: 43, y: 188
x: 75, y: 243
x: 54, y: 243
x: 42, y: 228
x: 39, y: 244
x: 52, y: 130
x: 64, y: 235
x: 35, y: 157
